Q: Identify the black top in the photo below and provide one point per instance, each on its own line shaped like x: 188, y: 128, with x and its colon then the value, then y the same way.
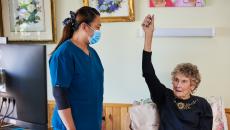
x: 194, y: 113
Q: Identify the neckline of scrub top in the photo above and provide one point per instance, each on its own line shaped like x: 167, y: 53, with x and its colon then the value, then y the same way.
x: 89, y: 56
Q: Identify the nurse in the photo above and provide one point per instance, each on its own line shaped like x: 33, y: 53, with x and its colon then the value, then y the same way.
x: 77, y: 73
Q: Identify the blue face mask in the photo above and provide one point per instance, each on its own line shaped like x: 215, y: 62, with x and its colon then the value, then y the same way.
x: 96, y: 36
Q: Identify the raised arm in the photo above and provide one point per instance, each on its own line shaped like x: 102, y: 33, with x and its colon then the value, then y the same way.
x: 157, y: 90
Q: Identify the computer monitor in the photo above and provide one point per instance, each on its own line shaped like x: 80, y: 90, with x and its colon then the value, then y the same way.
x: 24, y: 66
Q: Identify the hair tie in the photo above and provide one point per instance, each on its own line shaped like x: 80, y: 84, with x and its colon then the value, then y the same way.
x: 67, y: 21
x: 72, y: 20
x: 72, y: 15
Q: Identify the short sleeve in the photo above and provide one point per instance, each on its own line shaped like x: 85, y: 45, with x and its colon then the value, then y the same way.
x: 61, y: 70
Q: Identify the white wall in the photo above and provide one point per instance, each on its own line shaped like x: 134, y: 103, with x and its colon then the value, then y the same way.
x: 120, y: 49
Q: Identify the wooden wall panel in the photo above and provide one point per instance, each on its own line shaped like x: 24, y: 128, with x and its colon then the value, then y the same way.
x: 227, y: 111
x: 116, y: 115
x: 116, y: 118
x: 51, y: 105
x: 125, y: 120
x: 108, y: 118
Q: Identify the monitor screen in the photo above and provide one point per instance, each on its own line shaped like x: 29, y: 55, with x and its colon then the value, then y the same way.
x: 24, y: 68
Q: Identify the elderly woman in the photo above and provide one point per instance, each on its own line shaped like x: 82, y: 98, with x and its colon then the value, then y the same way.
x: 178, y: 108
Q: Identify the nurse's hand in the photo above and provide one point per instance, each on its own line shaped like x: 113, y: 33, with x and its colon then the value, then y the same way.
x: 103, y: 125
x: 71, y: 128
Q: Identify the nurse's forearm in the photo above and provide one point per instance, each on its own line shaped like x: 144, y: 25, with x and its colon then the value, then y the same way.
x: 67, y: 119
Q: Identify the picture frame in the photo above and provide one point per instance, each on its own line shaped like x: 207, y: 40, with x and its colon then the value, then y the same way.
x: 113, y: 11
x: 29, y: 20
x: 1, y: 27
x: 176, y: 3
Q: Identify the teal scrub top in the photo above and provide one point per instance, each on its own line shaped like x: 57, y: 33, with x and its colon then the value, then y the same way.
x: 83, y: 76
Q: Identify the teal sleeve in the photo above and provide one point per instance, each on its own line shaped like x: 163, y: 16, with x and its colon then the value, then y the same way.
x: 61, y: 70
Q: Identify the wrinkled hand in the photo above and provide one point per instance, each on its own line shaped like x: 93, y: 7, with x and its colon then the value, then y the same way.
x: 148, y: 24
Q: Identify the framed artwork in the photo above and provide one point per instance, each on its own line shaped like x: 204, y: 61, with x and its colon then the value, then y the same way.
x: 113, y: 10
x: 29, y: 20
x: 176, y: 3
